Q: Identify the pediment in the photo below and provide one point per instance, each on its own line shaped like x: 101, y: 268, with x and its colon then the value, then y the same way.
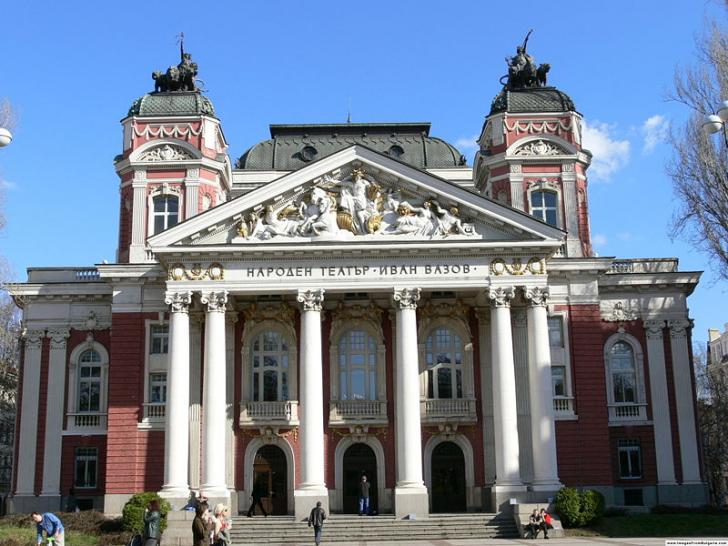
x: 356, y: 195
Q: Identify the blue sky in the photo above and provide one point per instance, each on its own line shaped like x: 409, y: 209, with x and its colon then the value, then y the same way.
x: 71, y: 70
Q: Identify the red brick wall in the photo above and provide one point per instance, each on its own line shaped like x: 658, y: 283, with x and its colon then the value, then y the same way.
x: 646, y: 438
x: 42, y: 408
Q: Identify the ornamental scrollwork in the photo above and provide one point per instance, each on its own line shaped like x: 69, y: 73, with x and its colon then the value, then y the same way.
x: 537, y: 296
x: 179, y: 302
x: 166, y: 152
x: 654, y: 328
x: 215, y: 301
x: 33, y: 339
x: 58, y: 338
x: 539, y: 148
x: 282, y: 313
x: 619, y: 311
x: 178, y: 272
x: 406, y: 298
x: 311, y: 300
x: 501, y: 296
x: 534, y: 266
x: 679, y: 328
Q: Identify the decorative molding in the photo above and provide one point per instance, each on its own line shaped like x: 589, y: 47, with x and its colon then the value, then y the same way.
x: 539, y: 148
x: 281, y: 312
x: 370, y: 313
x: 555, y: 127
x: 165, y: 152
x: 567, y: 168
x: 516, y: 168
x: 406, y: 298
x: 431, y: 309
x: 58, y: 338
x: 501, y: 296
x: 33, y: 339
x: 536, y: 296
x: 654, y: 328
x: 618, y: 311
x: 534, y: 266
x: 543, y: 184
x: 311, y: 300
x: 179, y: 302
x: 678, y: 328
x: 215, y: 301
x: 178, y: 272
x: 193, y: 174
x: 182, y: 131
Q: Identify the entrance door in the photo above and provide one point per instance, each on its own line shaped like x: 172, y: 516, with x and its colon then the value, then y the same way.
x: 448, y: 478
x: 359, y: 460
x: 270, y: 474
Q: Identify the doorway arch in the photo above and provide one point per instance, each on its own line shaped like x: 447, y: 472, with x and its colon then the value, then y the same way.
x: 284, y: 484
x: 448, y: 478
x: 359, y: 460
x: 270, y: 475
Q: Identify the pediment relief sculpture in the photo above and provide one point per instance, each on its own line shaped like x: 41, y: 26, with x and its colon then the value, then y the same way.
x: 354, y: 206
x: 166, y: 152
x: 539, y: 148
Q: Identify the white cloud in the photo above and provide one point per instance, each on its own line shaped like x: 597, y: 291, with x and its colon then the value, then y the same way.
x: 624, y: 236
x: 467, y: 145
x: 655, y: 130
x: 599, y: 240
x: 7, y: 184
x: 610, y: 154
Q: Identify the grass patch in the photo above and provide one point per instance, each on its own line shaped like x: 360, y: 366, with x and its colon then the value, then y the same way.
x: 81, y: 529
x: 657, y: 525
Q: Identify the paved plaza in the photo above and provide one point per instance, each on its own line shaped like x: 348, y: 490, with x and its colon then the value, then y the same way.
x: 571, y: 541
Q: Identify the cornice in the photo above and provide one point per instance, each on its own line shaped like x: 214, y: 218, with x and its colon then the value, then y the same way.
x: 136, y: 272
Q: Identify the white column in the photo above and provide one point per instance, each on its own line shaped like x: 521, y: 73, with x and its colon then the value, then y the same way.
x: 192, y: 192
x: 139, y: 217
x: 410, y: 492
x: 685, y: 400
x: 230, y: 321
x: 27, y: 441
x: 659, y: 399
x: 196, y: 322
x: 311, y: 406
x: 507, y: 470
x: 54, y: 413
x: 214, y: 406
x: 543, y: 428
x: 176, y: 431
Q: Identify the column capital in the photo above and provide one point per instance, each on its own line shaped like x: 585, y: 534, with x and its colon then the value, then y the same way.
x: 406, y: 298
x: 501, y: 296
x: 536, y: 296
x: 311, y: 300
x: 58, y: 337
x: 678, y: 328
x: 654, y: 328
x: 215, y: 301
x: 33, y: 338
x: 179, y: 302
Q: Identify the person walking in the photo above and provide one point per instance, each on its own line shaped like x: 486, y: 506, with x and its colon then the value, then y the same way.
x: 364, y: 496
x: 50, y: 525
x: 152, y: 524
x: 200, y: 534
x: 260, y: 490
x: 316, y: 520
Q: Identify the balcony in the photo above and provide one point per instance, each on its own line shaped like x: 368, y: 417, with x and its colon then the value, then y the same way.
x: 86, y: 423
x: 644, y: 265
x: 626, y: 413
x: 563, y: 406
x: 63, y: 274
x: 357, y: 412
x: 448, y: 410
x: 281, y: 414
x: 155, y: 411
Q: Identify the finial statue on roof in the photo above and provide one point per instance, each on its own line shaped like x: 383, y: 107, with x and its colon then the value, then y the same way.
x: 182, y: 77
x: 522, y: 69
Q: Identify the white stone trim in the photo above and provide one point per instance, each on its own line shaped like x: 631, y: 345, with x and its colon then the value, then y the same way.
x: 153, y: 364
x: 340, y: 327
x: 156, y: 143
x: 250, y: 331
x: 338, y: 491
x: 565, y: 145
x: 28, y: 434
x: 471, y: 500
x: 546, y: 186
x: 73, y: 385
x: 252, y: 449
x: 54, y: 412
x: 562, y: 357
x: 639, y: 375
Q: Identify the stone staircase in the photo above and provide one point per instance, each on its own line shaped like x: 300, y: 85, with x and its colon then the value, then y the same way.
x: 350, y: 528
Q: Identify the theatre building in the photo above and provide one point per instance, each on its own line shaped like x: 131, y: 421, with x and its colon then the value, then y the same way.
x: 351, y: 299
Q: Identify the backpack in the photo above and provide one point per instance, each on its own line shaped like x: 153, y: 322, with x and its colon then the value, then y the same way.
x: 135, y: 540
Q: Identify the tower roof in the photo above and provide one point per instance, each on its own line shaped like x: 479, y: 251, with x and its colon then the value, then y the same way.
x: 293, y: 146
x: 172, y: 103
x: 531, y: 99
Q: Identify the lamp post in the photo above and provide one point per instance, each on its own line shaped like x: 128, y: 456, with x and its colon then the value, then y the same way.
x: 718, y: 121
x: 6, y: 137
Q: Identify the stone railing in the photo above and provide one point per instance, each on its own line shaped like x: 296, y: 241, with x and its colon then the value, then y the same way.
x: 646, y: 265
x: 155, y: 411
x: 627, y: 412
x: 63, y: 274
x: 344, y: 412
x: 269, y: 413
x: 83, y: 421
x: 449, y: 409
x: 563, y: 405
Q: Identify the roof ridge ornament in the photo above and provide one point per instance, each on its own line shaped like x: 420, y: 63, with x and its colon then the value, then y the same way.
x: 522, y: 70
x: 182, y: 77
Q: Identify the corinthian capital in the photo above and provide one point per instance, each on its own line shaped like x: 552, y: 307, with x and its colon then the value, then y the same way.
x: 215, y: 301
x: 678, y: 328
x: 58, y: 337
x: 502, y: 296
x: 406, y: 298
x: 33, y: 338
x: 311, y: 300
x: 179, y: 302
x: 654, y: 328
x: 536, y: 296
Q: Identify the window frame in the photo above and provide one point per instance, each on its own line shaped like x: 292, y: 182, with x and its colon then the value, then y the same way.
x: 249, y: 335
x: 165, y: 189
x: 432, y: 372
x: 153, y: 363
x: 543, y: 208
x: 370, y: 353
x: 638, y: 408
x: 561, y: 357
x: 72, y: 402
x: 628, y: 447
x: 86, y: 457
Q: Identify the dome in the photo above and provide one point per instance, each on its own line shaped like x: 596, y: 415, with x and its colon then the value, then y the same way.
x: 293, y: 146
x: 172, y: 103
x: 532, y: 99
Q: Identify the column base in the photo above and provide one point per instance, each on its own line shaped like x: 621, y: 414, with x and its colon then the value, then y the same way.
x: 546, y: 487
x: 304, y: 500
x: 411, y: 502
x: 177, y: 497
x: 20, y: 503
x: 501, y: 495
x: 216, y: 495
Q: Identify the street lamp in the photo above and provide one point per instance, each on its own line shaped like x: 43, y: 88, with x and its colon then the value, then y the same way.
x: 6, y: 137
x: 715, y: 122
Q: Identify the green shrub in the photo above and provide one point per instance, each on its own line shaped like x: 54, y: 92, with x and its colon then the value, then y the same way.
x: 132, y: 516
x: 579, y: 508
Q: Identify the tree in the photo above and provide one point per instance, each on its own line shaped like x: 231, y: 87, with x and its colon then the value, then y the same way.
x: 712, y: 387
x: 699, y: 167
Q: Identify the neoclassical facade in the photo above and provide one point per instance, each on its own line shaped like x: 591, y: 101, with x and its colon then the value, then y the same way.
x: 353, y: 299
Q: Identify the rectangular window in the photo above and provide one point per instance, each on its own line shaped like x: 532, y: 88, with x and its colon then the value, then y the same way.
x: 89, y: 389
x: 159, y: 339
x: 558, y: 380
x: 158, y: 388
x: 556, y: 333
x: 630, y: 459
x: 85, y: 467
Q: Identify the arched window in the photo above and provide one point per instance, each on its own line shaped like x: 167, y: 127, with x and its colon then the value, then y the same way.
x: 543, y: 206
x: 357, y: 366
x: 166, y: 212
x: 623, y: 372
x: 269, y: 358
x: 90, y: 382
x: 444, y: 362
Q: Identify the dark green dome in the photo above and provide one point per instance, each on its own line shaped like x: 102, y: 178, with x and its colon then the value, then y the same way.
x: 294, y: 146
x: 172, y: 103
x: 531, y: 100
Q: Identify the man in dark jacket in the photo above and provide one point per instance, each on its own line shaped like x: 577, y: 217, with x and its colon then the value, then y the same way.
x: 364, y: 497
x: 316, y: 520
x: 260, y: 490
